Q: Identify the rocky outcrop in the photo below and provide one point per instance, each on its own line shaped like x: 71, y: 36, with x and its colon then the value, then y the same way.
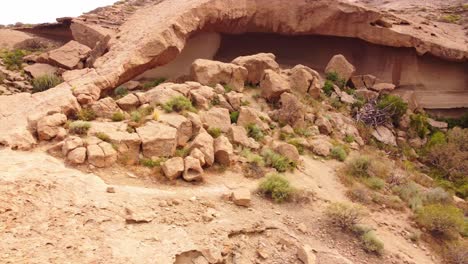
x: 209, y: 72
x: 256, y: 65
x: 70, y: 56
x: 340, y: 65
x: 158, y: 140
x: 273, y: 85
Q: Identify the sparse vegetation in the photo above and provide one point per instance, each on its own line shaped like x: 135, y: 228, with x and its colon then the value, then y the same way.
x: 339, y: 153
x: 179, y: 104
x: 227, y: 88
x: 214, y: 132
x: 234, y: 116
x: 345, y: 215
x: 255, y: 132
x: 451, y: 18
x: 371, y: 243
x: 395, y: 106
x: 45, y: 82
x: 118, y: 116
x: 419, y: 125
x: 182, y: 152
x: 103, y: 136
x: 374, y: 183
x: 79, y: 127
x: 154, y: 83
x: 445, y: 220
x: 276, y: 187
x: 336, y: 79
x: 120, y: 91
x: 349, y: 139
x: 136, y: 116
x: 277, y: 161
x: 150, y: 163
x: 86, y: 114
x: 13, y: 60
x: 328, y: 88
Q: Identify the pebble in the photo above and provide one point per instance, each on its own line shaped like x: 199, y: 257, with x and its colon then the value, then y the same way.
x: 110, y: 189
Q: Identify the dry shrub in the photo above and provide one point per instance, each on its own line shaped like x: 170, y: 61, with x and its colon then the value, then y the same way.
x: 345, y: 215
x: 445, y: 220
x: 457, y: 254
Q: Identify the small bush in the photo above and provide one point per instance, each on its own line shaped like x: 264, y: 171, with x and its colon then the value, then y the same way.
x: 349, y: 139
x: 437, y: 196
x: 277, y: 161
x: 118, y: 116
x: 151, y: 84
x: 255, y: 132
x: 345, y: 215
x: 13, y: 60
x: 438, y: 138
x: 214, y: 132
x: 234, y: 116
x: 45, y: 82
x: 150, y: 163
x: 103, y: 136
x: 86, y: 114
x: 336, y: 79
x: 358, y: 166
x: 451, y: 18
x: 457, y: 254
x: 136, y: 116
x: 277, y: 187
x: 79, y: 127
x: 440, y: 219
x: 371, y: 243
x: 339, y: 153
x: 178, y: 104
x: 253, y: 158
x: 120, y: 91
x: 328, y: 88
x: 227, y: 88
x: 395, y: 105
x: 359, y: 194
x: 298, y: 144
x: 374, y: 183
x: 419, y: 125
x: 182, y: 152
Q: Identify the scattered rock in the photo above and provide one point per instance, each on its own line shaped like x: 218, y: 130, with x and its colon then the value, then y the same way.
x: 235, y: 99
x: 40, y: 69
x: 273, y: 85
x: 384, y: 135
x: 173, y: 168
x: 341, y: 66
x: 209, y: 72
x: 216, y: 117
x: 324, y: 125
x: 238, y: 135
x: 320, y: 146
x: 101, y: 155
x: 288, y: 151
x: 249, y: 115
x: 363, y: 81
x: 305, y: 80
x: 241, y: 197
x: 77, y: 155
x: 193, y: 170
x: 128, y: 102
x: 256, y: 65
x: 306, y: 254
x: 291, y: 112
x: 105, y: 107
x: 183, y: 125
x: 437, y: 124
x: 158, y: 140
x: 204, y: 142
x: 383, y: 87
x: 223, y: 150
x: 69, y: 56
x: 49, y: 126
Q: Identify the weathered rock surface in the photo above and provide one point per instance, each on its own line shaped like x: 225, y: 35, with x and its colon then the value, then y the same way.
x: 68, y: 56
x: 384, y: 135
x: 273, y: 85
x: 223, y: 150
x: 241, y: 197
x: 105, y: 107
x: 209, y: 72
x: 205, y: 143
x: 305, y: 80
x: 288, y: 150
x: 216, y: 118
x: 40, y: 69
x: 173, y: 168
x: 49, y: 126
x: 183, y: 125
x: 158, y: 140
x: 340, y: 65
x: 238, y: 135
x: 193, y: 170
x: 256, y: 65
x: 248, y: 116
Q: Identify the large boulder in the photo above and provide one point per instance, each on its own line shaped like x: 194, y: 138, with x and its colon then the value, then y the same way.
x: 205, y: 143
x: 128, y: 102
x: 320, y: 146
x: 241, y: 197
x: 248, y: 116
x: 159, y: 95
x: 288, y: 150
x: 238, y: 135
x: 363, y: 81
x: 340, y: 65
x: 256, y: 65
x: 305, y: 80
x: 101, y: 155
x: 49, y: 126
x: 77, y: 156
x: 273, y: 85
x: 383, y: 87
x: 192, y: 169
x: 159, y: 140
x: 70, y: 56
x: 173, y: 168
x: 216, y: 118
x: 324, y: 125
x: 235, y: 99
x: 292, y: 111
x: 182, y: 124
x: 223, y: 150
x: 71, y: 143
x: 208, y: 72
x: 105, y: 107
x: 40, y: 69
x: 384, y: 135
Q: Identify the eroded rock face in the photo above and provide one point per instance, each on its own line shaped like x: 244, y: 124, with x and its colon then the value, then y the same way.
x: 68, y: 56
x: 209, y: 72
x: 217, y: 118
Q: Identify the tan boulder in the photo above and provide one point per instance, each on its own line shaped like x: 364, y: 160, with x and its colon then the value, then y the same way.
x: 131, y: 85
x: 292, y: 111
x: 209, y: 72
x: 160, y: 95
x: 49, y: 126
x: 69, y: 56
x: 105, y: 107
x: 182, y: 124
x: 341, y: 66
x: 192, y: 169
x: 256, y: 65
x: 101, y: 155
x: 367, y: 94
x: 216, y: 118
x: 40, y: 69
x: 437, y: 124
x: 235, y: 99
x: 222, y: 102
x: 383, y: 87
x: 158, y: 140
x: 324, y: 125
x: 306, y: 255
x: 384, y: 135
x: 196, y: 153
x: 128, y: 102
x: 305, y: 80
x: 288, y: 150
x: 77, y: 155
x: 363, y: 81
x: 320, y: 146
x: 223, y: 150
x: 273, y: 85
x: 205, y: 143
x: 71, y: 143
x: 249, y: 115
x: 241, y: 197
x: 173, y: 168
x: 196, y: 122
x: 238, y: 135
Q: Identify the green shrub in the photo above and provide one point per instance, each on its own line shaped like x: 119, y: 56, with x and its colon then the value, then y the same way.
x: 410, y: 192
x: 374, y: 183
x: 359, y: 194
x: 45, y: 82
x: 178, y: 104
x: 13, y: 60
x: 437, y: 196
x: 227, y: 88
x: 136, y: 116
x: 255, y: 132
x: 214, y: 132
x: 451, y: 18
x: 349, y: 139
x: 419, y: 125
x: 253, y: 157
x: 151, y: 84
x: 371, y: 243
x: 182, y: 152
x: 345, y: 215
x: 441, y: 219
x: 86, y: 114
x: 79, y: 127
x: 328, y: 88
x: 118, y: 116
x: 234, y: 116
x: 277, y: 161
x: 120, y: 91
x: 438, y: 138
x: 150, y: 163
x: 103, y: 136
x: 358, y: 166
x: 277, y: 187
x: 339, y: 153
x: 298, y: 144
x: 395, y: 105
x: 336, y: 79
